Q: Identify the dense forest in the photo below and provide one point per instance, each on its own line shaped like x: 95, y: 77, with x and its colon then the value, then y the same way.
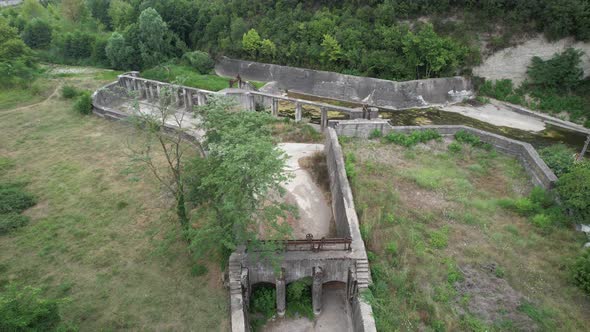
x: 391, y: 39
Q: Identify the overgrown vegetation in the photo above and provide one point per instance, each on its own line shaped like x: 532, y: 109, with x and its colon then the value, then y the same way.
x: 555, y: 86
x: 447, y: 230
x: 13, y: 201
x: 559, y: 157
x: 413, y: 138
x: 299, y: 298
x: 581, y: 271
x: 83, y: 104
x: 24, y: 309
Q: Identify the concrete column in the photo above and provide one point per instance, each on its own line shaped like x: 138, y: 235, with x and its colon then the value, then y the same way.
x: 251, y: 102
x: 201, y: 101
x: 189, y: 100
x: 275, y: 107
x: 316, y: 290
x: 298, y: 112
x: 281, y: 294
x: 324, y: 118
x: 142, y: 90
x: 158, y: 91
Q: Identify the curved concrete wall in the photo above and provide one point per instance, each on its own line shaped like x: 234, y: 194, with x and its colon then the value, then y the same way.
x: 376, y: 92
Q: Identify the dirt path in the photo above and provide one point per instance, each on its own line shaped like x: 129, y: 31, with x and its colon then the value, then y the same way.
x: 42, y: 102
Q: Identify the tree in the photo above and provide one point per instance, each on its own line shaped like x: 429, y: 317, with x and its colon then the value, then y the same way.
x: 562, y: 72
x: 37, y: 33
x: 574, y: 191
x: 251, y: 42
x: 268, y: 49
x: 172, y: 144
x: 99, y: 9
x: 74, y: 10
x: 152, y: 30
x: 121, y: 14
x: 201, y: 61
x: 332, y: 52
x: 118, y: 52
x: 238, y: 182
x: 16, y: 67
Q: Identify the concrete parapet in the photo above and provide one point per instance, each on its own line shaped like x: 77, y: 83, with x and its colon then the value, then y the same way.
x: 539, y: 172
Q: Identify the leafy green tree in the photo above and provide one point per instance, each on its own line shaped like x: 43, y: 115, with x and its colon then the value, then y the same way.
x: 121, y: 14
x: 574, y: 191
x: 74, y: 10
x: 251, y: 42
x: 78, y: 45
x: 118, y: 52
x: 152, y: 32
x: 201, y: 61
x: 37, y: 33
x: 332, y: 52
x: 239, y: 180
x: 99, y: 9
x: 562, y: 72
x: 268, y: 49
x: 16, y: 67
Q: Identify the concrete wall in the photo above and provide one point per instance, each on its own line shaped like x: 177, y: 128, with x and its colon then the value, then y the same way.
x: 377, y: 92
x: 6, y: 3
x: 512, y: 62
x: 539, y: 172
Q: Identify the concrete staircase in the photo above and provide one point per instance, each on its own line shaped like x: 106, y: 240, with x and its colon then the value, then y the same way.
x: 235, y: 277
x: 363, y: 274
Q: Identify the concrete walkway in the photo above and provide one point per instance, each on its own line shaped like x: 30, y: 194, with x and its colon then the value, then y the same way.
x: 499, y: 115
x: 335, y: 315
x: 315, y: 214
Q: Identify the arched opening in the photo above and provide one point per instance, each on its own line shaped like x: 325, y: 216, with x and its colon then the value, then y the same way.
x: 262, y: 305
x: 336, y: 311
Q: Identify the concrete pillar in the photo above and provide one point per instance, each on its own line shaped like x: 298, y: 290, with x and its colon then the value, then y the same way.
x: 158, y: 91
x: 281, y: 294
x: 324, y: 118
x: 298, y: 112
x: 316, y: 290
x: 201, y: 99
x: 275, y: 107
x: 189, y: 100
x: 142, y: 90
x: 251, y: 102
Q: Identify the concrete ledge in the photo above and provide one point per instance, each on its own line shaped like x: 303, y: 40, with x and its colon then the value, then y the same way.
x: 539, y: 172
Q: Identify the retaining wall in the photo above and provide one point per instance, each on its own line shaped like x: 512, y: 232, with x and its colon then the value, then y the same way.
x: 539, y: 172
x: 377, y: 92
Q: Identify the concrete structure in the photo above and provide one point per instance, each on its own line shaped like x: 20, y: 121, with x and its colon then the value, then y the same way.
x: 349, y: 266
x: 341, y: 259
x: 539, y: 172
x: 372, y: 91
x: 6, y: 3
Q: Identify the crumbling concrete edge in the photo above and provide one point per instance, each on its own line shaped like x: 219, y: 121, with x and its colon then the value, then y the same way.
x: 537, y: 169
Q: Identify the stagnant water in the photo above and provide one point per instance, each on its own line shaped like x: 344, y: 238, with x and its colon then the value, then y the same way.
x: 413, y: 117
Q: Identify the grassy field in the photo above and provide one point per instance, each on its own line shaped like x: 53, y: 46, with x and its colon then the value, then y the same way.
x: 101, y: 235
x: 189, y: 77
x: 446, y: 256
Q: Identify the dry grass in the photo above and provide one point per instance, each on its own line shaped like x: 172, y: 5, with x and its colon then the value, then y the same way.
x: 101, y: 234
x: 427, y: 214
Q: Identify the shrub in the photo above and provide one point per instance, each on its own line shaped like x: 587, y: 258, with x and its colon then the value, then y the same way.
x: 542, y: 221
x: 580, y: 271
x: 558, y: 157
x: 466, y: 137
x: 264, y: 301
x: 83, y: 104
x: 415, y: 137
x: 376, y: 133
x: 574, y: 190
x: 439, y: 239
x: 69, y: 92
x: 299, y: 298
x: 37, y: 33
x: 455, y: 147
x: 391, y: 249
x: 349, y: 166
x: 13, y: 199
x: 23, y: 309
x: 201, y: 61
x: 12, y: 221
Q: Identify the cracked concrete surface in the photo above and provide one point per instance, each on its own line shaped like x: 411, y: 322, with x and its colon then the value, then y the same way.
x: 315, y: 214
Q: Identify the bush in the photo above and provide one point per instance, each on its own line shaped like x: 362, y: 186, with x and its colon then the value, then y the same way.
x: 558, y: 157
x: 574, y: 190
x: 37, y: 33
x: 201, y: 61
x: 264, y: 301
x: 23, y: 309
x: 11, y: 221
x: 391, y: 249
x: 455, y: 147
x: 440, y: 239
x: 376, y: 133
x: 13, y: 199
x: 415, y: 137
x: 542, y: 221
x: 299, y: 298
x: 69, y: 92
x: 580, y: 271
x: 83, y: 104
